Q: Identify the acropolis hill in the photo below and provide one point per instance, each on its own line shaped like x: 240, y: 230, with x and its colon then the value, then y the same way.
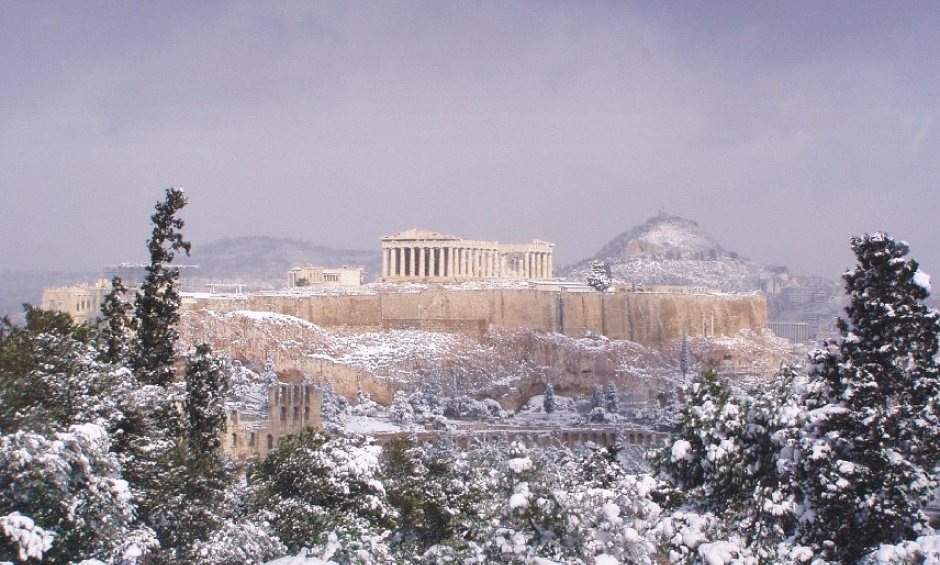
x: 466, y: 286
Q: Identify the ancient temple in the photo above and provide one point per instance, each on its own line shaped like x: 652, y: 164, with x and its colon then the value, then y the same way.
x: 427, y: 256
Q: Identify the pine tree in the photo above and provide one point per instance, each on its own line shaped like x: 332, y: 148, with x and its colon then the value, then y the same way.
x: 548, y: 400
x: 157, y: 303
x: 872, y: 432
x: 117, y: 332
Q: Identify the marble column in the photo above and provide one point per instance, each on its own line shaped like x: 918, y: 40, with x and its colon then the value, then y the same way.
x: 420, y: 272
x: 431, y: 262
x: 394, y: 271
x: 385, y: 263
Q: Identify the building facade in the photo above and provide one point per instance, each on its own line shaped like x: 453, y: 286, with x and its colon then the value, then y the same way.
x: 81, y: 301
x: 309, y: 275
x: 425, y: 256
x: 290, y: 409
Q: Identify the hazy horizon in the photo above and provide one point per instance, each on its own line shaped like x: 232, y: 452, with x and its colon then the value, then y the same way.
x: 782, y: 129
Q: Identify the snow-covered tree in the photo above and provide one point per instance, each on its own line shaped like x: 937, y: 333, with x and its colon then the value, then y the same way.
x: 613, y: 398
x: 205, y: 412
x: 599, y: 276
x: 158, y: 301
x: 63, y: 497
x: 548, y: 399
x: 597, y: 397
x: 703, y: 459
x: 118, y: 325
x: 401, y: 409
x: 316, y: 489
x: 191, y: 490
x: 870, y: 440
x: 50, y: 377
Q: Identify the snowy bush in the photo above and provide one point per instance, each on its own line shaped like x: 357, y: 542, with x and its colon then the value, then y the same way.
x: 67, y: 488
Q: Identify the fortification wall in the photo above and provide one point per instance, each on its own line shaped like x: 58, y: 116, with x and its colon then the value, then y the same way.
x: 647, y: 318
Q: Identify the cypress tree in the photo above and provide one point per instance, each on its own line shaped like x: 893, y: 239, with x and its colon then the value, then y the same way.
x: 157, y: 302
x: 116, y: 334
x: 548, y: 400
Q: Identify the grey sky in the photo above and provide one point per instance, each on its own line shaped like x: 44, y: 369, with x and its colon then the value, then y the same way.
x: 782, y: 129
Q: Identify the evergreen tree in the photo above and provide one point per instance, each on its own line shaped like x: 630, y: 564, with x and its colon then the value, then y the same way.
x: 703, y: 460
x: 117, y: 332
x: 313, y: 486
x: 205, y: 412
x: 191, y: 494
x: 871, y: 435
x: 68, y: 485
x: 599, y: 276
x: 597, y: 398
x: 548, y: 399
x: 157, y: 303
x: 613, y: 399
x: 684, y: 356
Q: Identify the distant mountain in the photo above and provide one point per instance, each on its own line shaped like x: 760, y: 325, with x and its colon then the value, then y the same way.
x: 676, y: 251
x: 258, y: 259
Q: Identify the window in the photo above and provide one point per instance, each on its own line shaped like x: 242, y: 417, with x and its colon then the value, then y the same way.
x: 306, y: 412
x: 283, y: 413
x: 234, y: 440
x: 296, y: 412
x: 270, y: 441
x: 251, y: 440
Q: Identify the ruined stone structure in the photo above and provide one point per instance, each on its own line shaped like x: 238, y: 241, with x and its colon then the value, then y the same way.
x: 417, y: 255
x: 290, y: 408
x: 81, y: 301
x: 309, y: 275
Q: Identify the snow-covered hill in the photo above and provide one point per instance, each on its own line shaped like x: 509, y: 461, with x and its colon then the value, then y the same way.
x: 674, y: 251
x: 670, y: 250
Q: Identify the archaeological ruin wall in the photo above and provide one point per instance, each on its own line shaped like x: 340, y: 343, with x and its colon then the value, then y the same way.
x: 647, y: 318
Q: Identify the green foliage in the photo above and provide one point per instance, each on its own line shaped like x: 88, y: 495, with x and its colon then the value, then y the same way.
x: 432, y: 495
x: 548, y: 399
x: 157, y: 303
x: 49, y: 378
x: 205, y: 412
x: 118, y: 326
x: 311, y: 485
x: 872, y: 435
x: 701, y: 459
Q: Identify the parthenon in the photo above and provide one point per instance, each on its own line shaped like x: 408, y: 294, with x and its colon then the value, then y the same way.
x: 416, y: 255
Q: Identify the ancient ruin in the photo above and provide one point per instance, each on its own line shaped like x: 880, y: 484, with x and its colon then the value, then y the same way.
x: 417, y: 255
x: 310, y: 275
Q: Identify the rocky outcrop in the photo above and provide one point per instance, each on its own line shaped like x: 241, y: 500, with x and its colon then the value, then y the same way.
x: 509, y: 365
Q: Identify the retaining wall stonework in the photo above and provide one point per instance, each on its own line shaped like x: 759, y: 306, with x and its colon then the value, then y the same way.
x: 644, y: 317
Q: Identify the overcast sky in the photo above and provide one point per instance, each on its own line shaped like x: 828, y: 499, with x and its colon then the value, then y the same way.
x: 781, y: 129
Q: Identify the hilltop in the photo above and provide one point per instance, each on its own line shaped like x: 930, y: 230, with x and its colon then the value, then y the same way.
x: 673, y: 250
